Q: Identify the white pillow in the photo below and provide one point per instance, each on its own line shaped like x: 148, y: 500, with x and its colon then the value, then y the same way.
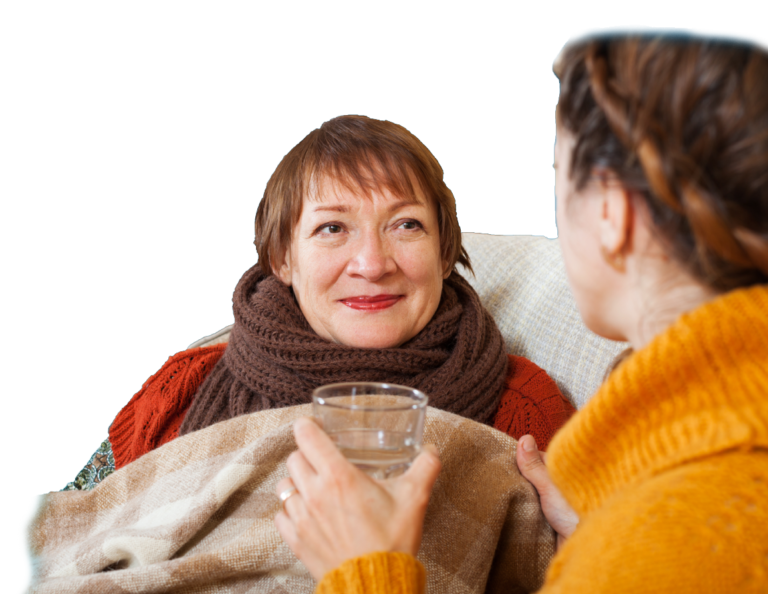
x: 521, y: 280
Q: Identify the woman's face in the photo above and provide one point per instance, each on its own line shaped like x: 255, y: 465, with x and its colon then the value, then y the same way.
x: 578, y: 229
x: 366, y: 272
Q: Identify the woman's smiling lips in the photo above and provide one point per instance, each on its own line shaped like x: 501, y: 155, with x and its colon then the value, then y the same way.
x: 371, y: 302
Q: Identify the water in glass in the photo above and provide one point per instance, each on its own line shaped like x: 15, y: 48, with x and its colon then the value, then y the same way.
x: 379, y: 453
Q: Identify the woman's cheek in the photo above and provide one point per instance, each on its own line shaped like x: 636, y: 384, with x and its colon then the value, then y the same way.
x: 419, y: 262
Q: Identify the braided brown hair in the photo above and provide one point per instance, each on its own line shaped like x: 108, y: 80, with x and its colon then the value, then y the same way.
x: 682, y: 121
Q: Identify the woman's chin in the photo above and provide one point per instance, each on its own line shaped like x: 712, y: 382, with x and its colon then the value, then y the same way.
x: 372, y: 337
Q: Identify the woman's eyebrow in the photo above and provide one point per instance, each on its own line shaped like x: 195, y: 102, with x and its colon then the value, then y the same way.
x: 403, y: 203
x: 331, y: 208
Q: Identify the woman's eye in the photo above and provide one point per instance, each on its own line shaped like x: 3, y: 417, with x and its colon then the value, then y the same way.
x: 410, y: 225
x: 330, y: 228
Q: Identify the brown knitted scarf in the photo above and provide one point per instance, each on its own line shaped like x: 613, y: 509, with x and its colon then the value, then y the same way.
x: 275, y: 359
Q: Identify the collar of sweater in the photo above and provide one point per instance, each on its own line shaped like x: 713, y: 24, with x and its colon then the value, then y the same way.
x: 697, y: 389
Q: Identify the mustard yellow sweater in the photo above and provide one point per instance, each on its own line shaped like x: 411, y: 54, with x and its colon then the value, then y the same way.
x: 667, y: 467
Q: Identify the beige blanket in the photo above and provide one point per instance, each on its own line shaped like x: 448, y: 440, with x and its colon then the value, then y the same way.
x: 197, y: 516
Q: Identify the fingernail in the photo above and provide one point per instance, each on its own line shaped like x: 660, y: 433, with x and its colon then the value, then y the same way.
x: 529, y: 444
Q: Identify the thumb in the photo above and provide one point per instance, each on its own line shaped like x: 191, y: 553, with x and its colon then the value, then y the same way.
x: 531, y: 464
x: 421, y: 476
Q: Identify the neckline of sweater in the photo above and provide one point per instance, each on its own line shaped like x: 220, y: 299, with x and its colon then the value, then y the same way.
x: 695, y: 390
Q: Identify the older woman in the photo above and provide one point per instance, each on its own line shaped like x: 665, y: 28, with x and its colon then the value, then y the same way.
x: 358, y: 244
x: 662, y: 184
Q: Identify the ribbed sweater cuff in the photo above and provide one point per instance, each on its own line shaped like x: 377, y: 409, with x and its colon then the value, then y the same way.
x: 376, y: 573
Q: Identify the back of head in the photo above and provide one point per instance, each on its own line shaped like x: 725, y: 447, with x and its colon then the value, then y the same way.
x: 363, y: 155
x: 683, y: 122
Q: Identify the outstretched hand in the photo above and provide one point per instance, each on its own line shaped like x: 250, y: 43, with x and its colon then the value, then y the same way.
x: 533, y: 466
x: 340, y: 513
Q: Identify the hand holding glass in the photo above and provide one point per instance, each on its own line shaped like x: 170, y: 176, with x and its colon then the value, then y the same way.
x: 378, y: 427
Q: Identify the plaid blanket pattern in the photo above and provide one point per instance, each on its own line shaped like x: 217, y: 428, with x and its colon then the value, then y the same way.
x: 196, y: 516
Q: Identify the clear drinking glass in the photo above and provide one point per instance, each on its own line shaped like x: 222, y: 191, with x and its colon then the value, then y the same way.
x: 378, y: 427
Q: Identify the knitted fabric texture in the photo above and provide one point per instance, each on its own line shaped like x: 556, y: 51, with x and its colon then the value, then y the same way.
x: 275, y: 359
x: 667, y: 467
x: 154, y: 414
x: 403, y: 575
x: 530, y: 404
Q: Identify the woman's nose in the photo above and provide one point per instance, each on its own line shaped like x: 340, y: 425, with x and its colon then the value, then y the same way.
x: 372, y: 259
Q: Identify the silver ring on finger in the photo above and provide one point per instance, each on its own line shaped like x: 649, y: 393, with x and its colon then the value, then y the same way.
x: 285, y: 495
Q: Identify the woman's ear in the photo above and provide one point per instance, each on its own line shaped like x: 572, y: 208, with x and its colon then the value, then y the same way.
x: 616, y: 214
x: 283, y: 272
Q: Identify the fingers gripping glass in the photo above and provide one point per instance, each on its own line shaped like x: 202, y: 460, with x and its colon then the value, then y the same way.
x: 378, y: 427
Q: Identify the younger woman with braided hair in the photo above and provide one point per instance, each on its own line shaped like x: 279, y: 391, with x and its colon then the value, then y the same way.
x: 660, y: 484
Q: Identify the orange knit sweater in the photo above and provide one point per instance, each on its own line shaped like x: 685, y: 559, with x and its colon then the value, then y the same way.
x: 667, y: 467
x: 531, y: 403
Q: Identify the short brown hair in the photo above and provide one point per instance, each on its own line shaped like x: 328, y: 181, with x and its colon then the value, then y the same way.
x: 362, y: 154
x: 683, y: 121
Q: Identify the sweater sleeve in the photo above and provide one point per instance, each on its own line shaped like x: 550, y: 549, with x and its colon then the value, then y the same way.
x: 376, y: 573
x: 531, y: 403
x: 154, y: 414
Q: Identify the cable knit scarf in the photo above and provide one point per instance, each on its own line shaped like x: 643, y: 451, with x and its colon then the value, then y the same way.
x: 274, y: 358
